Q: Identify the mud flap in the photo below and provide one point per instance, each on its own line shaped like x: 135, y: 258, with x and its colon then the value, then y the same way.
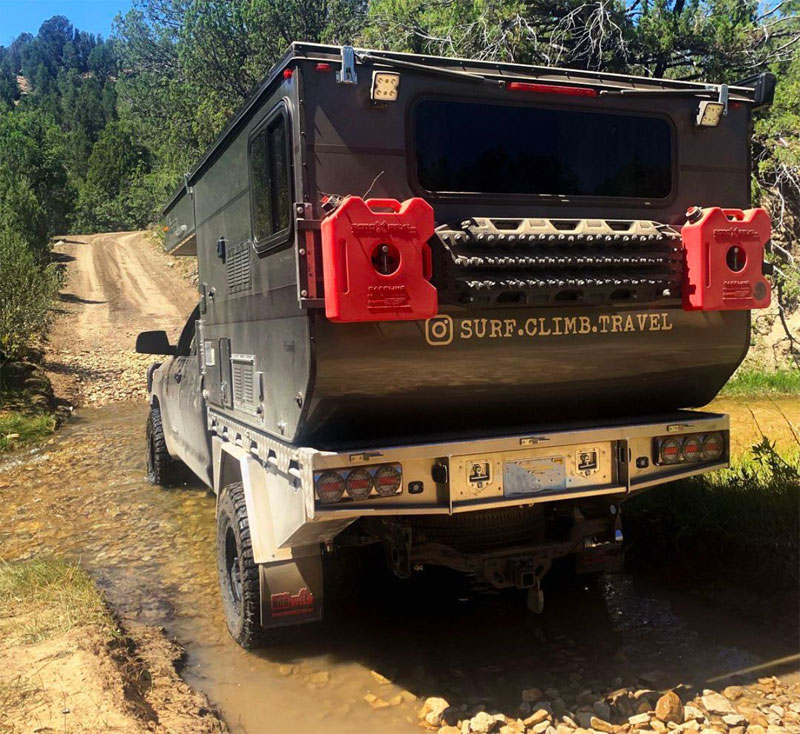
x: 291, y: 591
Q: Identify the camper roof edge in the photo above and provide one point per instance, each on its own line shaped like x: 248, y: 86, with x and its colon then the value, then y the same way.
x: 306, y: 50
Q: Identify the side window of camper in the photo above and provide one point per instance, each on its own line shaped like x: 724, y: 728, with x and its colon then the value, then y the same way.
x: 269, y: 181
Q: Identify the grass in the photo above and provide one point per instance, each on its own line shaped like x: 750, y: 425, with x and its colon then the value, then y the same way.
x: 746, y: 517
x: 20, y: 428
x: 43, y: 598
x: 754, y: 383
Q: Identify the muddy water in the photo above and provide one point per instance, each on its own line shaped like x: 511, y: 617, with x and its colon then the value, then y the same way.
x: 84, y: 496
x: 777, y: 418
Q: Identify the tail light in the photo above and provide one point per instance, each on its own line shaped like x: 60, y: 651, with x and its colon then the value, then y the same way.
x: 690, y: 448
x: 388, y: 480
x: 670, y: 450
x: 713, y: 446
x: 330, y: 487
x: 358, y: 485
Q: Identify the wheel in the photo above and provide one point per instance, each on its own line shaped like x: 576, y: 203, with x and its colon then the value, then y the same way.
x: 238, y: 573
x: 161, y: 467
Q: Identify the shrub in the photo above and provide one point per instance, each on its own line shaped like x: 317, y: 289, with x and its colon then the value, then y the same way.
x: 27, y: 290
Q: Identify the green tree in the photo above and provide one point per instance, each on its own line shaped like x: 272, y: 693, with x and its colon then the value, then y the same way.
x: 26, y: 296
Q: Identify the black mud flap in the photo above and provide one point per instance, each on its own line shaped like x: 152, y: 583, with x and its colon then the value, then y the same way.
x: 291, y: 591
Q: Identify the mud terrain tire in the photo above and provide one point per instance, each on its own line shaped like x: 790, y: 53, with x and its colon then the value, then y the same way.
x: 162, y: 469
x: 239, y: 577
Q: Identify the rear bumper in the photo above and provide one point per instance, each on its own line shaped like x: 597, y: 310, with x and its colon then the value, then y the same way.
x: 441, y: 478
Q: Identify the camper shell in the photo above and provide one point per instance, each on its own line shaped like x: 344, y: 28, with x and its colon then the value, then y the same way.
x: 468, y: 278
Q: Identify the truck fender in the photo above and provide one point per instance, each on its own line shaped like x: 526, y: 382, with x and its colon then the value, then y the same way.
x: 290, y: 578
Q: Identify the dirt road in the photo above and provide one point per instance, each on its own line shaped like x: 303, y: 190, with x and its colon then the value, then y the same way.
x: 116, y: 285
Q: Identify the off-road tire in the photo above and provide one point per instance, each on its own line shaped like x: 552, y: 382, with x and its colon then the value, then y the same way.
x: 238, y: 572
x: 238, y: 575
x: 162, y: 469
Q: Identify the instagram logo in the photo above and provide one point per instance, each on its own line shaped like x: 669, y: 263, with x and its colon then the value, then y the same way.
x: 439, y: 331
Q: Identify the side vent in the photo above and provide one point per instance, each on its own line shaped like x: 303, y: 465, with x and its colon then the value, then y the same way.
x: 246, y: 388
x: 237, y: 263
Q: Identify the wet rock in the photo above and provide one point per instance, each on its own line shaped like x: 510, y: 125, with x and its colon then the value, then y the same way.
x: 551, y: 693
x: 639, y: 720
x: 564, y: 729
x: 432, y: 704
x: 514, y: 726
x: 437, y: 717
x: 716, y: 703
x: 537, y: 717
x: 286, y: 670
x: 482, y: 723
x: 375, y: 702
x: 407, y: 696
x: 778, y: 710
x: 381, y: 679
x: 658, y: 726
x: 734, y: 720
x: 396, y: 700
x: 733, y: 692
x: 773, y: 729
x: 524, y: 709
x: 569, y: 721
x: 736, y: 730
x: 584, y: 719
x: 531, y: 695
x: 670, y: 708
x: 540, y: 728
x: 602, y: 710
x: 692, y: 713
x: 449, y: 730
x: 601, y: 725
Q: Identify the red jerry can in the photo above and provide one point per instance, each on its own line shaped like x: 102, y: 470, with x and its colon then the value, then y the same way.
x: 724, y: 251
x: 377, y: 263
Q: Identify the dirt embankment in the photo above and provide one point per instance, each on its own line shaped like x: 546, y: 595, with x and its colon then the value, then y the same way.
x: 67, y: 665
x: 116, y: 285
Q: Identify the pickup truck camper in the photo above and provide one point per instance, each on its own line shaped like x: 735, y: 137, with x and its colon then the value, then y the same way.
x: 458, y: 309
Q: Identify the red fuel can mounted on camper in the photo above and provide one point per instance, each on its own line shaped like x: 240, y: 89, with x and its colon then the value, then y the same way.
x: 724, y: 251
x: 377, y: 263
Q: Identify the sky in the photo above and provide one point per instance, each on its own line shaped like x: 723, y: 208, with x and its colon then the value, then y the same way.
x: 20, y: 16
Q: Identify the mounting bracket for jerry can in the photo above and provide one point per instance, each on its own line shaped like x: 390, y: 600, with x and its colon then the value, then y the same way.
x: 376, y: 263
x: 724, y: 252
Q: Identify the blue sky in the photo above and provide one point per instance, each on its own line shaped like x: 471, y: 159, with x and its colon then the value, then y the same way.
x: 95, y: 16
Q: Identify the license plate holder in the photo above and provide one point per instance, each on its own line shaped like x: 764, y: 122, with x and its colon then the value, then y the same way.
x: 543, y: 475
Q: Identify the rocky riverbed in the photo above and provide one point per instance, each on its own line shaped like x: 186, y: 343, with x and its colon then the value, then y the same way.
x: 767, y: 706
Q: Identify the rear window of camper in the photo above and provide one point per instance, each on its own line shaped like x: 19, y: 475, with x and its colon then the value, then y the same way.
x: 472, y: 147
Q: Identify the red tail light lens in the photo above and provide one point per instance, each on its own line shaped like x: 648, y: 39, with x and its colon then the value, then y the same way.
x: 692, y: 448
x: 713, y: 446
x: 330, y: 487
x: 359, y: 484
x: 387, y: 480
x: 670, y: 451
